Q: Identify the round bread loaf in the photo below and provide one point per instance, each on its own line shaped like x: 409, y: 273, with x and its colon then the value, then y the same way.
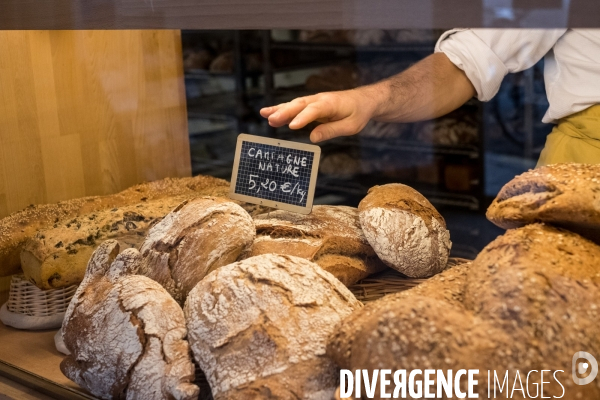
x: 194, y: 239
x: 405, y: 230
x: 566, y: 195
x: 258, y: 328
x: 125, y: 333
x: 329, y: 236
x: 527, y: 302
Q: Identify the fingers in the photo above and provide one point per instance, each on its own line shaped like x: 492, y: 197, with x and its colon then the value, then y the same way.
x: 282, y: 114
x: 266, y: 112
x: 312, y: 112
x: 334, y: 129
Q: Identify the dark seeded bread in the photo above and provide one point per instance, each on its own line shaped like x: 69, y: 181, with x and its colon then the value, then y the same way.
x: 565, y: 195
x: 529, y: 301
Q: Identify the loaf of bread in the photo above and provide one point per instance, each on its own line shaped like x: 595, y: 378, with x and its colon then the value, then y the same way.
x: 329, y: 236
x: 193, y: 240
x: 197, y: 59
x: 340, y: 165
x: 386, y: 130
x: 125, y: 333
x: 20, y: 226
x: 566, y: 195
x: 58, y: 256
x: 224, y: 63
x: 258, y: 328
x: 458, y: 128
x: 526, y: 303
x: 405, y: 230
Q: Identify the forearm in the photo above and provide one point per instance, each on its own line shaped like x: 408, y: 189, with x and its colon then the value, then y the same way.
x: 429, y: 89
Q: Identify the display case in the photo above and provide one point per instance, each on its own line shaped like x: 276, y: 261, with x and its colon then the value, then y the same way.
x: 119, y: 123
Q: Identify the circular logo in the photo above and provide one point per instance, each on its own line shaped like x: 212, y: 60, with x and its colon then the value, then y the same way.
x: 580, y: 367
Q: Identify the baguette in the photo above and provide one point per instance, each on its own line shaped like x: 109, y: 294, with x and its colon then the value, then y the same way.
x: 17, y: 228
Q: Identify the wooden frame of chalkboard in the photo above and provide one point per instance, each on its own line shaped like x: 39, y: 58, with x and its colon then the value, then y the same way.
x: 287, y: 171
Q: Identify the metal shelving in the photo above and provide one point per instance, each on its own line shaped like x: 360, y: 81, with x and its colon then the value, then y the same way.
x: 245, y: 102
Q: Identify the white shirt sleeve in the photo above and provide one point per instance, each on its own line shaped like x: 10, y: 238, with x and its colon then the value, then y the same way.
x: 488, y: 55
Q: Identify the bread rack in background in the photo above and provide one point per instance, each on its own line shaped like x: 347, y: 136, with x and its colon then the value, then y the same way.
x: 442, y: 159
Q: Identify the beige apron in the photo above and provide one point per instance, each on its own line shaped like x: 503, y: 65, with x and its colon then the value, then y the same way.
x: 576, y: 138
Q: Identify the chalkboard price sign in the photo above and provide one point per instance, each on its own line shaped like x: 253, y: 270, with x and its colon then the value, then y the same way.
x: 275, y: 173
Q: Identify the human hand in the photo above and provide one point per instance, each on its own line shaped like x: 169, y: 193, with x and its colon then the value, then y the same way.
x: 341, y: 113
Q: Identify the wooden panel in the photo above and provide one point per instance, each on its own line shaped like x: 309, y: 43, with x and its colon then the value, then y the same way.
x: 88, y: 112
x: 268, y: 14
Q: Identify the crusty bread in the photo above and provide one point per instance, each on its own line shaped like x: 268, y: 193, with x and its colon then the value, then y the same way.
x: 525, y: 303
x: 258, y: 328
x: 57, y: 257
x: 405, y: 230
x: 460, y: 128
x: 125, y: 333
x: 20, y: 226
x: 566, y: 195
x: 329, y: 236
x: 542, y: 281
x: 193, y: 240
x: 448, y: 286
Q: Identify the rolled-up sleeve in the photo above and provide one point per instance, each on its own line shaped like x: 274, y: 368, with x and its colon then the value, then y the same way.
x: 487, y: 55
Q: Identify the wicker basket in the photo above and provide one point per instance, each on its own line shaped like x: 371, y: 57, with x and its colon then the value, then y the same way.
x: 30, y: 307
x: 376, y: 286
x: 390, y: 281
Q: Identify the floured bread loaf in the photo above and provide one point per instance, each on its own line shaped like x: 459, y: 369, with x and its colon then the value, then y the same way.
x: 329, y: 236
x: 193, y: 240
x: 57, y: 257
x: 406, y: 231
x: 258, y: 328
x: 527, y: 302
x: 20, y: 226
x: 566, y: 195
x: 126, y: 334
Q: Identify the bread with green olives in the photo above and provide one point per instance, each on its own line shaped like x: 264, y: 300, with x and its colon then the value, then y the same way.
x: 57, y: 257
x: 20, y: 226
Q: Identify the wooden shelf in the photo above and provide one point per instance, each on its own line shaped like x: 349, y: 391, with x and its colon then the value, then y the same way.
x: 30, y: 358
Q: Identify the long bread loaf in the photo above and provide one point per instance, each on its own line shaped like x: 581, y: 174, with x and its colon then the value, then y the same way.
x: 17, y: 228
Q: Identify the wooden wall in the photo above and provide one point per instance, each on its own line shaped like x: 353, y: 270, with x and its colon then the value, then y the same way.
x: 88, y: 113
